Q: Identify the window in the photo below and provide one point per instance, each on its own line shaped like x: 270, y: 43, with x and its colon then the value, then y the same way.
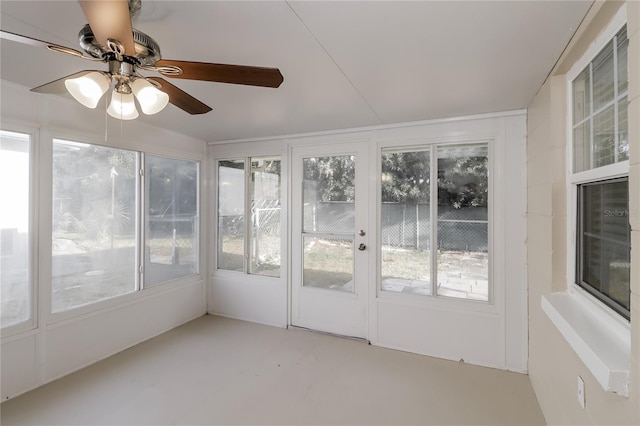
x: 600, y: 135
x: 15, y: 232
x: 405, y: 229
x: 93, y: 224
x: 231, y: 226
x: 463, y: 233
x: 604, y: 242
x: 171, y: 219
x: 449, y: 255
x: 265, y: 233
x: 96, y: 217
x: 259, y: 177
x: 600, y: 153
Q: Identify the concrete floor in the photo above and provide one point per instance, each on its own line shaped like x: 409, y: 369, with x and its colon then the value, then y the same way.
x: 221, y: 371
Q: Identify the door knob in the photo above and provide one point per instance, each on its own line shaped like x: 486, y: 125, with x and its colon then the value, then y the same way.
x: 362, y: 233
x: 361, y: 247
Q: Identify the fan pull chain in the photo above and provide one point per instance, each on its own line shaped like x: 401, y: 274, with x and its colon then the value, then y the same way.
x: 106, y: 120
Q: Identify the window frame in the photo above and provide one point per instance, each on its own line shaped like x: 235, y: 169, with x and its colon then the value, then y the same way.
x: 249, y: 188
x: 137, y: 233
x: 574, y: 180
x: 45, y: 211
x: 247, y: 215
x: 495, y: 293
x: 143, y: 217
x: 245, y: 253
x: 31, y: 323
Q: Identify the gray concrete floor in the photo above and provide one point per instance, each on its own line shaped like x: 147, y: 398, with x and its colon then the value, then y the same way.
x: 221, y: 371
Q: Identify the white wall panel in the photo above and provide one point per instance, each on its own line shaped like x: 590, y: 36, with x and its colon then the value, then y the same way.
x: 19, y: 365
x: 249, y: 297
x: 443, y: 333
x: 74, y: 344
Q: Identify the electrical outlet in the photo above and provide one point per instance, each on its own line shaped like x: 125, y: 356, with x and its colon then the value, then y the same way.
x: 581, y: 396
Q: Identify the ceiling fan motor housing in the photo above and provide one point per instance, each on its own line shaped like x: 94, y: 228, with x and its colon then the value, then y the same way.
x: 147, y: 50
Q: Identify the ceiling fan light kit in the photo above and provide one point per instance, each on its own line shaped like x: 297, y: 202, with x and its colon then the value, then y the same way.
x: 110, y: 38
x: 122, y: 106
x: 151, y: 100
x: 89, y: 88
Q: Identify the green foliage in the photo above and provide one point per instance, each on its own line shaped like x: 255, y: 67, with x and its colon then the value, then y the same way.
x: 333, y: 177
x: 463, y: 182
x: 405, y: 177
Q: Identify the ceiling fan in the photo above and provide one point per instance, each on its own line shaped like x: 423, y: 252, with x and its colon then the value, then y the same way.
x: 110, y: 38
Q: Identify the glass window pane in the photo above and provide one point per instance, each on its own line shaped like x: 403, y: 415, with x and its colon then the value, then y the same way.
x: 405, y: 229
x: 15, y: 235
x: 265, y: 217
x: 603, y: 82
x: 604, y: 144
x: 581, y: 96
x: 328, y: 263
x: 329, y: 194
x: 231, y: 215
x: 623, y: 130
x: 463, y: 245
x: 623, y: 45
x: 171, y: 219
x: 582, y: 147
x: 603, y: 147
x: 93, y: 224
x: 604, y: 246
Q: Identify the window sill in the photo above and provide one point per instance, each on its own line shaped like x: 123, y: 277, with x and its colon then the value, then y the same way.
x: 601, y: 341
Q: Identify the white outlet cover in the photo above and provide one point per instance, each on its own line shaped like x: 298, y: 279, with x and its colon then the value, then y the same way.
x: 581, y: 396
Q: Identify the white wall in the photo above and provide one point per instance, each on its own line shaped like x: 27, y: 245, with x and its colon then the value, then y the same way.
x: 53, y: 346
x: 493, y: 335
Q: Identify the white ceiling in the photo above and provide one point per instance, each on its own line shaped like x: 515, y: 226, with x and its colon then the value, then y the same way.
x: 345, y: 64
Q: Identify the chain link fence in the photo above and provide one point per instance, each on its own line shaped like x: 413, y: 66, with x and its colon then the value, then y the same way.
x: 265, y: 241
x: 171, y: 240
x: 407, y: 225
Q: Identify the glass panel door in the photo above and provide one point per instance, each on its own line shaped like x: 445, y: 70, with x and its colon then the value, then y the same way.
x: 330, y: 241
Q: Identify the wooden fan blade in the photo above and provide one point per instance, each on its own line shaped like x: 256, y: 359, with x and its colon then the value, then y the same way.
x: 222, y: 73
x: 180, y: 98
x: 110, y: 19
x: 6, y: 35
x: 57, y: 87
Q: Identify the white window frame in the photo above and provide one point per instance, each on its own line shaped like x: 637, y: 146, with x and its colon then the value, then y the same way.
x: 142, y: 217
x: 34, y: 157
x: 432, y: 149
x: 611, y: 171
x: 247, y: 216
x: 496, y: 257
x: 216, y: 225
x: 600, y: 337
x: 45, y: 273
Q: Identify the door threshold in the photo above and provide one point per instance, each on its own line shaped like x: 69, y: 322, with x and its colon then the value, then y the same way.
x: 326, y: 333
